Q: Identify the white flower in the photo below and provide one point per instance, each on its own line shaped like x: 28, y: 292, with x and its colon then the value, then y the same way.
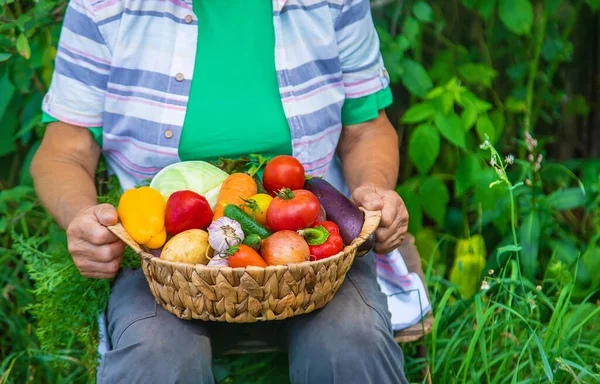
x: 484, y: 285
x: 491, y: 272
x: 538, y: 288
x: 485, y: 145
x: 530, y: 142
x: 493, y: 162
x: 509, y: 159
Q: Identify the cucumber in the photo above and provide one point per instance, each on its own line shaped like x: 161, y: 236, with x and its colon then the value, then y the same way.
x: 249, y: 225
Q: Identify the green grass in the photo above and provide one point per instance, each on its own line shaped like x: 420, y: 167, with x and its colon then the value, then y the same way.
x: 514, y: 332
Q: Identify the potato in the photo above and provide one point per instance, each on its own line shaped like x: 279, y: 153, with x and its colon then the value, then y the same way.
x: 187, y: 247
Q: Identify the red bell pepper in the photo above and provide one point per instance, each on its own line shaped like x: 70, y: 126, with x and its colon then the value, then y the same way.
x: 324, y: 239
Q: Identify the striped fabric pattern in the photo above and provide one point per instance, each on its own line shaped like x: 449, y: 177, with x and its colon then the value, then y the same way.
x: 127, y: 65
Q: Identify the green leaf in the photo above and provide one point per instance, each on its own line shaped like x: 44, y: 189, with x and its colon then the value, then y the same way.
x: 414, y: 208
x: 25, y: 177
x: 517, y: 15
x: 418, y: 112
x: 411, y: 29
x: 4, y: 56
x: 23, y: 46
x: 434, y: 197
x: 6, y: 93
x: 529, y: 237
x: 466, y: 174
x: 452, y: 128
x: 485, y: 127
x: 415, y: 78
x: 424, y: 147
x: 492, y: 202
x: 578, y: 105
x: 477, y: 73
x: 469, y: 115
x: 423, y: 11
x: 31, y: 124
x: 507, y: 248
x: 515, y: 105
x: 497, y: 118
x: 591, y: 261
x: 568, y: 198
x: 486, y: 8
x: 482, y: 106
x: 594, y: 4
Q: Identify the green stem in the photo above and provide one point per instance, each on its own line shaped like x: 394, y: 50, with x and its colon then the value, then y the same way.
x: 534, y: 65
x: 315, y: 236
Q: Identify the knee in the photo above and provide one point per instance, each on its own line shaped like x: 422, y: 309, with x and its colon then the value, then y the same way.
x: 360, y: 349
x: 167, y: 355
x: 350, y: 338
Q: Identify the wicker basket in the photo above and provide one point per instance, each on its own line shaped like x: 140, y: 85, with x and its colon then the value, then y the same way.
x: 246, y: 295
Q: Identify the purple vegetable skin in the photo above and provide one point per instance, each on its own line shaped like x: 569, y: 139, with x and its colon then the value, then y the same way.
x: 341, y: 211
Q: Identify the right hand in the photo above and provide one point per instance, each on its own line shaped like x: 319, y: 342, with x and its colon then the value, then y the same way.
x: 96, y: 251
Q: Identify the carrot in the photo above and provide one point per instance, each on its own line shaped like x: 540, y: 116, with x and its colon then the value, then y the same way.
x: 235, y: 189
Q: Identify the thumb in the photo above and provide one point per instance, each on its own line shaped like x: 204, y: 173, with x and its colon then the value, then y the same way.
x: 368, y: 198
x: 106, y: 214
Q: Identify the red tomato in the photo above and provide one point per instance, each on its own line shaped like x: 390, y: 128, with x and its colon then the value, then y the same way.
x: 283, y: 172
x: 293, y: 210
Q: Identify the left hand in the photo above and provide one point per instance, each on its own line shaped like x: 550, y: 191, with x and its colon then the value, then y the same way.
x: 394, y: 216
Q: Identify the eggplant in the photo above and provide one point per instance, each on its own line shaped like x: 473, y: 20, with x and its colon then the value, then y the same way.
x: 341, y: 210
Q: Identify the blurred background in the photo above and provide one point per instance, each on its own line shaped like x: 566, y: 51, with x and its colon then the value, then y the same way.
x: 496, y: 106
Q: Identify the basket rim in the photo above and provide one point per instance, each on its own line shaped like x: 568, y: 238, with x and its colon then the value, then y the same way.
x: 370, y: 224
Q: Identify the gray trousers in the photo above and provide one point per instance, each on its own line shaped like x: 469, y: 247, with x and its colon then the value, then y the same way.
x: 350, y: 340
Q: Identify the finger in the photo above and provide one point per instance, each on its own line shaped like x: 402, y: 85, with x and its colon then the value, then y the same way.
x: 98, y: 275
x: 368, y: 197
x: 389, y: 240
x: 97, y: 234
x: 106, y: 214
x: 91, y: 268
x: 99, y: 253
x: 389, y: 213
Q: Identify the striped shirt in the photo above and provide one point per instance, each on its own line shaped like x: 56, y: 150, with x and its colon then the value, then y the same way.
x: 127, y: 65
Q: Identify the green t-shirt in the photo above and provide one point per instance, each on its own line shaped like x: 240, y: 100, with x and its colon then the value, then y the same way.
x: 235, y: 107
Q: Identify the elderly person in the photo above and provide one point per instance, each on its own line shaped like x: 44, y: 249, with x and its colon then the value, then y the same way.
x: 147, y: 83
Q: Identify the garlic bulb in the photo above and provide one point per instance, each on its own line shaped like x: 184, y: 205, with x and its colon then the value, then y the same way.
x: 224, y: 233
x: 218, y: 262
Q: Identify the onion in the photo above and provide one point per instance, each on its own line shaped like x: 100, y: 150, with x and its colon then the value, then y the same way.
x: 284, y: 247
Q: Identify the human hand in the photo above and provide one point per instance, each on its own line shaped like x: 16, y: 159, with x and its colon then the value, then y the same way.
x: 394, y: 216
x: 96, y: 251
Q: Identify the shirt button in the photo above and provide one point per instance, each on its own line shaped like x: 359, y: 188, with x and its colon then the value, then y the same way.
x: 188, y: 19
x: 168, y: 133
x: 179, y: 77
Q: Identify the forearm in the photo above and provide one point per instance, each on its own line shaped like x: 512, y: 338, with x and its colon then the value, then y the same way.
x: 369, y: 154
x: 63, y: 175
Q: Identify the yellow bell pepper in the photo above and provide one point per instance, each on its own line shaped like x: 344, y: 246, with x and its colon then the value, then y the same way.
x: 469, y: 261
x: 142, y: 214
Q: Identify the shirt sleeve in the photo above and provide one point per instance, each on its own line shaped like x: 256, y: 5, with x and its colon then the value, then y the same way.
x: 363, y: 70
x: 95, y: 131
x: 82, y: 65
x: 356, y: 111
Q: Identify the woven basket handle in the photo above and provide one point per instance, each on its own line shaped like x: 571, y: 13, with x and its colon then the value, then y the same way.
x: 122, y: 234
x: 372, y: 220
